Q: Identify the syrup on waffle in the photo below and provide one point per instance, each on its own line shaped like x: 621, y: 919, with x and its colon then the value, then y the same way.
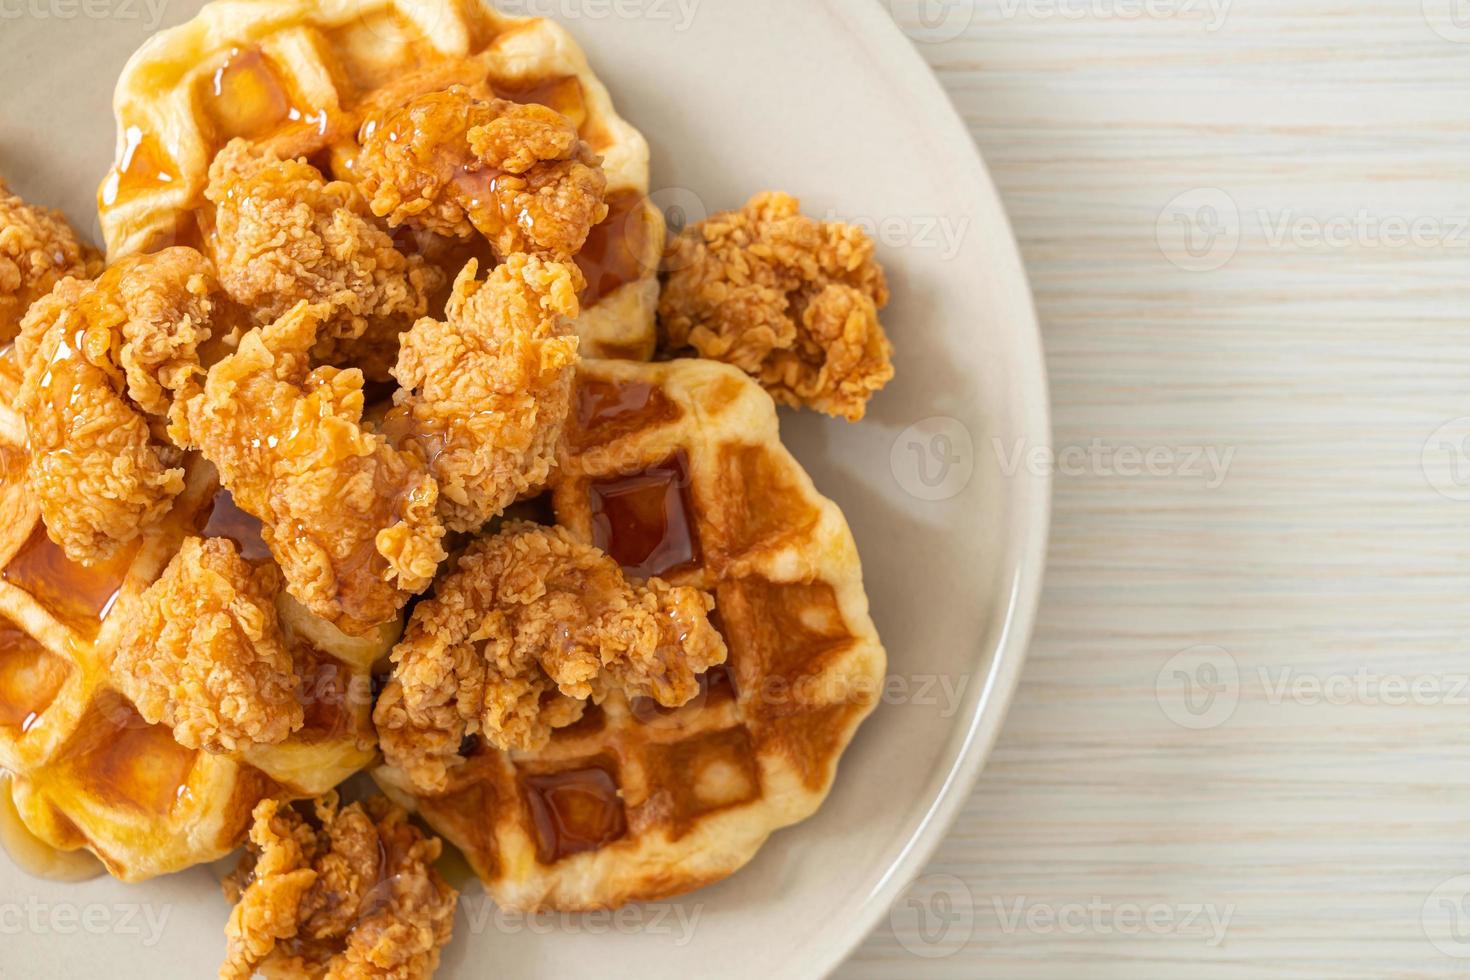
x: 677, y: 470
x: 88, y: 771
x: 296, y: 74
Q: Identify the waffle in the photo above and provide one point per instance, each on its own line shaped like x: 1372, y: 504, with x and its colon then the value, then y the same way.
x: 677, y: 470
x: 89, y: 772
x: 296, y: 73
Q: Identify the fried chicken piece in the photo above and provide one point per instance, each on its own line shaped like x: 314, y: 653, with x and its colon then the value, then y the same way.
x: 205, y: 655
x: 97, y: 357
x: 38, y: 249
x: 486, y: 393
x: 529, y: 627
x: 160, y: 309
x: 454, y: 163
x: 790, y: 301
x: 351, y: 521
x: 353, y: 894
x: 284, y: 233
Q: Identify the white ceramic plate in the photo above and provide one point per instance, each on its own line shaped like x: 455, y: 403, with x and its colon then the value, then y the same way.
x: 828, y: 100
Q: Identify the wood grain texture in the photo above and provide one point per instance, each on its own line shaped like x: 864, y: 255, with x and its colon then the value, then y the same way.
x: 1321, y: 819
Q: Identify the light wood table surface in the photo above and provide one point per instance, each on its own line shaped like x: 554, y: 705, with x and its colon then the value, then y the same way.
x: 1311, y: 787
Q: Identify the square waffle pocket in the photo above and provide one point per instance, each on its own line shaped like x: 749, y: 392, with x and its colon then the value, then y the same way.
x: 296, y: 74
x: 677, y: 470
x: 88, y: 771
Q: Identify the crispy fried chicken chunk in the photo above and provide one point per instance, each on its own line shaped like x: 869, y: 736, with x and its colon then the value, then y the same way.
x: 38, y: 249
x: 350, y: 893
x: 530, y: 625
x: 284, y: 233
x: 351, y: 521
x: 485, y: 394
x: 98, y: 359
x: 205, y: 655
x: 453, y: 163
x: 791, y: 301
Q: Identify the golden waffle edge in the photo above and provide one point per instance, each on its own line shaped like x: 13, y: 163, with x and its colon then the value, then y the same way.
x: 291, y: 72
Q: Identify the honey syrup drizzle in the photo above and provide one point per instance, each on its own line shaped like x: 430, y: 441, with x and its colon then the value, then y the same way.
x: 79, y: 596
x: 30, y: 678
x: 616, y: 252
x: 645, y: 521
x: 575, y: 810
x: 227, y: 520
x: 144, y: 166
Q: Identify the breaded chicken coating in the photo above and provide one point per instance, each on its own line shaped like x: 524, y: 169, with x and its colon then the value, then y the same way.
x: 284, y: 233
x: 38, y: 249
x: 453, y: 163
x: 791, y: 301
x: 98, y: 358
x: 530, y: 626
x: 485, y: 394
x: 352, y: 522
x: 205, y: 655
x: 351, y: 894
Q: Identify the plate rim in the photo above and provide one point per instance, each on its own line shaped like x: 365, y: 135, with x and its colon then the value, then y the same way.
x: 873, y: 24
